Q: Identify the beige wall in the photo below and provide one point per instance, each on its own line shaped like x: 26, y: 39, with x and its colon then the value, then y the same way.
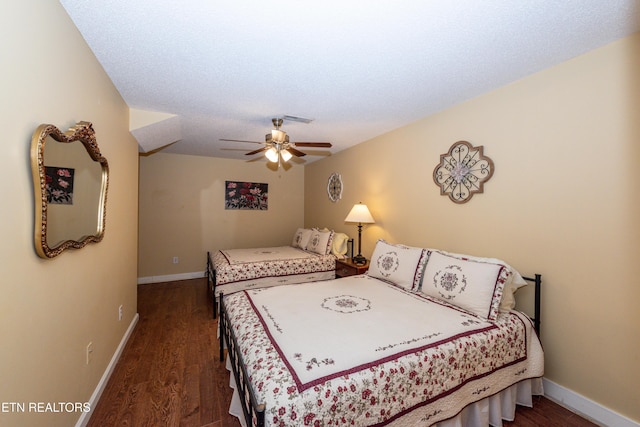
x: 51, y: 309
x: 182, y: 210
x: 564, y: 201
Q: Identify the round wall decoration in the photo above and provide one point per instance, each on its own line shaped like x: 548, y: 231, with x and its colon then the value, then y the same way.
x: 462, y: 171
x: 334, y: 187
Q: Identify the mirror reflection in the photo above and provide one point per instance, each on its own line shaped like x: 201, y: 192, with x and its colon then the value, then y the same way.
x: 71, y: 178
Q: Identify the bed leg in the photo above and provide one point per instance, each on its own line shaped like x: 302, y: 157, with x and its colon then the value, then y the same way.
x: 260, y: 415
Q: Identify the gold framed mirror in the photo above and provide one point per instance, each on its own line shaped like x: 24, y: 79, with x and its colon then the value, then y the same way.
x: 70, y: 178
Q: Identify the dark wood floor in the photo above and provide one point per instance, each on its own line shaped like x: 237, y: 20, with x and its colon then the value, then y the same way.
x: 169, y: 373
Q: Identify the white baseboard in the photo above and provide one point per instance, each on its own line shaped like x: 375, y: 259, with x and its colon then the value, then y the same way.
x: 170, y: 277
x: 585, y: 407
x: 93, y: 401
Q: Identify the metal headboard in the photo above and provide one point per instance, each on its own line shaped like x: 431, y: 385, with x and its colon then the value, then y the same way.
x: 537, y: 281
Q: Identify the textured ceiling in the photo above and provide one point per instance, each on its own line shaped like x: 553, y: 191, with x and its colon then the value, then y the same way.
x: 357, y: 68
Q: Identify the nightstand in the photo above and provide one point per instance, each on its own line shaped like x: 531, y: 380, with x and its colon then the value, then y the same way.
x: 345, y: 267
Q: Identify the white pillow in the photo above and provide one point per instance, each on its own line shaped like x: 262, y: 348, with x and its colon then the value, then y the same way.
x: 301, y: 238
x: 474, y: 286
x: 514, y: 282
x: 339, y: 245
x: 320, y: 242
x: 398, y: 264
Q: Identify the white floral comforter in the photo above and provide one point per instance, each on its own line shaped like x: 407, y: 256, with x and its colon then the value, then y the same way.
x: 247, y: 268
x: 358, y: 351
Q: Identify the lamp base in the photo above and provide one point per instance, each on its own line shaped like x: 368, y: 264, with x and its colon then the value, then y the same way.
x: 359, y: 260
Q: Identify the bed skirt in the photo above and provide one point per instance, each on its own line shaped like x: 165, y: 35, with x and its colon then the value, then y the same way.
x: 489, y: 411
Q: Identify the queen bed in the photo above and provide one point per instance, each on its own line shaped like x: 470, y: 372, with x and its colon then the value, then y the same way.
x: 311, y: 257
x: 424, y: 338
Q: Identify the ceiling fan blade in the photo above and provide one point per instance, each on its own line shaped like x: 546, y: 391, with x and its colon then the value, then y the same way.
x: 295, y: 152
x: 313, y: 144
x: 297, y: 119
x: 251, y: 153
x: 240, y: 140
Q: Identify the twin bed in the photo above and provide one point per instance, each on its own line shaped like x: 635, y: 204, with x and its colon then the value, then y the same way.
x: 311, y: 257
x: 425, y: 337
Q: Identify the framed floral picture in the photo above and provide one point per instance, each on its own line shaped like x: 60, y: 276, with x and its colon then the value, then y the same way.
x: 59, y: 185
x: 246, y: 195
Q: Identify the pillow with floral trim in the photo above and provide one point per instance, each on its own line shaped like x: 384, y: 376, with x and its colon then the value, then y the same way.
x: 320, y: 241
x: 472, y: 285
x: 514, y: 282
x: 301, y: 238
x: 398, y: 264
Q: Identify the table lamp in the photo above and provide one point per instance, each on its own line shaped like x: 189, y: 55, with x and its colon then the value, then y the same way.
x: 360, y: 214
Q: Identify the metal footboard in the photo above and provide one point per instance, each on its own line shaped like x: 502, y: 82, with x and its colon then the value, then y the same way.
x: 211, y: 283
x: 253, y: 410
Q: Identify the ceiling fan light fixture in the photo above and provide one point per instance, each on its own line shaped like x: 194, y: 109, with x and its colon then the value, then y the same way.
x: 277, y: 148
x: 272, y: 154
x: 286, y: 155
x: 278, y: 136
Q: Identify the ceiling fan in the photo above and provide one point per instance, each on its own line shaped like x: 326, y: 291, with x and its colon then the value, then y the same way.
x: 277, y: 147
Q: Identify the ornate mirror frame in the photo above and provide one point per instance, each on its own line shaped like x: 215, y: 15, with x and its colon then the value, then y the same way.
x: 462, y: 171
x: 82, y: 132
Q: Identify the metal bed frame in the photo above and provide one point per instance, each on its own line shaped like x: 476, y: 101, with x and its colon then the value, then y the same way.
x: 253, y: 410
x: 210, y: 273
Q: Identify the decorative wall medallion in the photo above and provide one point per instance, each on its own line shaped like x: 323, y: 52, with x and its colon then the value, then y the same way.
x: 334, y: 187
x: 462, y: 172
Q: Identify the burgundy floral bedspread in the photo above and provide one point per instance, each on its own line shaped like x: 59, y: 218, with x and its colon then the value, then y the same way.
x: 358, y: 351
x: 239, y: 265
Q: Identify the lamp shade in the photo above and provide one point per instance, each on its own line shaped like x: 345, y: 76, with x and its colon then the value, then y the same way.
x: 360, y: 213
